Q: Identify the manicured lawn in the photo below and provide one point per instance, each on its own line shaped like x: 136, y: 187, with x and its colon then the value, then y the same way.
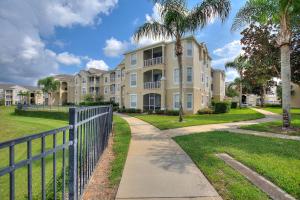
x: 276, y: 159
x: 14, y: 126
x: 275, y: 127
x: 168, y: 122
x: 122, y: 135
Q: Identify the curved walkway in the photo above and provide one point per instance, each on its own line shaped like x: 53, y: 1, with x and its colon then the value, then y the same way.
x: 157, y: 168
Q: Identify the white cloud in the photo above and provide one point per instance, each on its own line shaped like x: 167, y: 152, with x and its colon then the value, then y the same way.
x: 24, y: 56
x: 225, y: 54
x: 98, y: 64
x: 156, y: 13
x: 68, y: 59
x: 114, y: 47
x: 230, y: 49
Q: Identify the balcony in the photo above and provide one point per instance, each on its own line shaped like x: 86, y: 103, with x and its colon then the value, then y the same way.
x: 153, y: 56
x: 152, y: 85
x: 153, y: 61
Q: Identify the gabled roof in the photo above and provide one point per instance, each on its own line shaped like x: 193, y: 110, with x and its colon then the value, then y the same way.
x: 10, y: 86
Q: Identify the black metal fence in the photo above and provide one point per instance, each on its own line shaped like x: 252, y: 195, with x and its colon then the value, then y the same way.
x: 77, y: 146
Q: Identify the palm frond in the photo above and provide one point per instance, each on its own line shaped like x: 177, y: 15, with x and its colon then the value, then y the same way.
x: 154, y: 30
x: 203, y: 13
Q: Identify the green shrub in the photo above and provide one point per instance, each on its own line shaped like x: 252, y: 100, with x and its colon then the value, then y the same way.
x: 129, y: 110
x: 172, y: 112
x: 160, y: 112
x: 2, y: 102
x: 273, y: 105
x: 205, y: 111
x: 234, y: 104
x: 222, y: 107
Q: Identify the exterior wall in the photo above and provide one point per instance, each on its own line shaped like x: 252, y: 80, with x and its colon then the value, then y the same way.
x: 295, y: 100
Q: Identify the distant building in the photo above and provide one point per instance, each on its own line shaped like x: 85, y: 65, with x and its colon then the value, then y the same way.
x: 10, y: 93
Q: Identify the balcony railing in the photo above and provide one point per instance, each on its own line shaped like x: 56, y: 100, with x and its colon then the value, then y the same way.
x: 112, y: 79
x: 153, y: 61
x: 152, y: 85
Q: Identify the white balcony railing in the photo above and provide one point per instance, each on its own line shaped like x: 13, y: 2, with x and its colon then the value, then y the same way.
x: 153, y: 61
x: 152, y: 85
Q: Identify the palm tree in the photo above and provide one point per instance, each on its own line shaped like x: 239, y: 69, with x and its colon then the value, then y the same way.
x: 177, y: 20
x: 239, y: 64
x: 49, y: 85
x: 284, y: 13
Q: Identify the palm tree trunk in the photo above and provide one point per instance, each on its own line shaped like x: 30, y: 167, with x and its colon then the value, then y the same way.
x: 263, y: 96
x: 284, y: 42
x: 179, y: 59
x: 286, y: 85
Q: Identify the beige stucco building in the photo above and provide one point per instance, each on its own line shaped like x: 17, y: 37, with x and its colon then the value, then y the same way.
x: 11, y: 94
x: 148, y: 79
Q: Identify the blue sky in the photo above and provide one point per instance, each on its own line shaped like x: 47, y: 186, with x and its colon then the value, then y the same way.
x: 66, y: 37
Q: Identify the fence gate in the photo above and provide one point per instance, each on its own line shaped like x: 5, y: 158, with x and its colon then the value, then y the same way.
x: 74, y: 149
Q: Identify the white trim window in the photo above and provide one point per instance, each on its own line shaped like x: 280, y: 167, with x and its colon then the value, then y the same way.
x: 133, y: 80
x: 189, y: 49
x: 176, y: 76
x: 202, y: 99
x: 189, y: 74
x: 133, y: 59
x: 176, y: 101
x: 105, y: 90
x: 189, y: 101
x: 133, y: 100
x: 206, y: 81
x: 202, y: 77
x: 84, y: 91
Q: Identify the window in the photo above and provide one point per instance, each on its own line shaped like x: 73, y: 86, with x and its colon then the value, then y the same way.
x: 105, y: 90
x: 176, y: 101
x: 133, y: 59
x: 207, y: 81
x: 202, y: 78
x: 118, y: 73
x: 189, y: 101
x: 105, y: 79
x: 83, y: 80
x: 84, y: 91
x: 189, y: 74
x: 189, y: 49
x: 176, y: 76
x: 133, y: 78
x: 133, y: 100
x: 202, y: 100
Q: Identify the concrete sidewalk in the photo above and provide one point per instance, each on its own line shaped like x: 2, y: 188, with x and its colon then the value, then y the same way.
x: 157, y: 168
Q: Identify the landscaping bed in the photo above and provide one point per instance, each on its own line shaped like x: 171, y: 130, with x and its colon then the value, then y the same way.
x: 276, y: 159
x: 168, y: 122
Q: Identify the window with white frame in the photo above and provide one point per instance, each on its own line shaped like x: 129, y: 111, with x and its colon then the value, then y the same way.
x: 133, y: 100
x: 133, y: 59
x: 106, y: 79
x: 176, y: 76
x: 105, y: 90
x: 176, y: 101
x: 206, y: 81
x: 189, y: 74
x: 202, y: 77
x: 133, y: 79
x: 202, y: 99
x: 189, y: 48
x: 189, y: 101
x: 83, y: 91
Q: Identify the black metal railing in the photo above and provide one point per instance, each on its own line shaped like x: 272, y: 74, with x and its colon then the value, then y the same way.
x: 77, y: 146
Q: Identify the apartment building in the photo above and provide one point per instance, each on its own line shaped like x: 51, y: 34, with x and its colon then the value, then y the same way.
x: 11, y: 94
x: 148, y: 79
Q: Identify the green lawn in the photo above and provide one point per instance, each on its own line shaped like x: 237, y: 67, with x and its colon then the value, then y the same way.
x: 276, y: 159
x: 14, y: 126
x: 275, y: 127
x: 168, y: 122
x: 122, y: 135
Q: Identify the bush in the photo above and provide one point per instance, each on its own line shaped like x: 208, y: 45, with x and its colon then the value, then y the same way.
x: 273, y: 105
x: 234, y: 104
x: 2, y: 102
x: 129, y: 110
x: 172, y: 112
x: 160, y: 112
x: 101, y: 103
x: 205, y: 111
x: 222, y: 107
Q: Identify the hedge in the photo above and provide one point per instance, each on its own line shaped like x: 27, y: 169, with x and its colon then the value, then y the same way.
x: 234, y: 104
x: 222, y: 107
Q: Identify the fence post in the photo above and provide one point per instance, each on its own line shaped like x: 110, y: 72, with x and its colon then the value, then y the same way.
x: 73, y: 193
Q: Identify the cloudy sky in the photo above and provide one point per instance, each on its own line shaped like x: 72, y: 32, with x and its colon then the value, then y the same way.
x: 45, y: 37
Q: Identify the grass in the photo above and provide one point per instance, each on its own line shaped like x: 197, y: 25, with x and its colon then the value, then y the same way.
x: 122, y: 135
x: 276, y: 159
x: 168, y: 122
x: 15, y: 126
x: 275, y: 127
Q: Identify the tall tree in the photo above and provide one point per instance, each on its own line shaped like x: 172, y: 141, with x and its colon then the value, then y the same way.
x: 284, y: 13
x: 177, y: 20
x: 239, y: 64
x: 49, y: 85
